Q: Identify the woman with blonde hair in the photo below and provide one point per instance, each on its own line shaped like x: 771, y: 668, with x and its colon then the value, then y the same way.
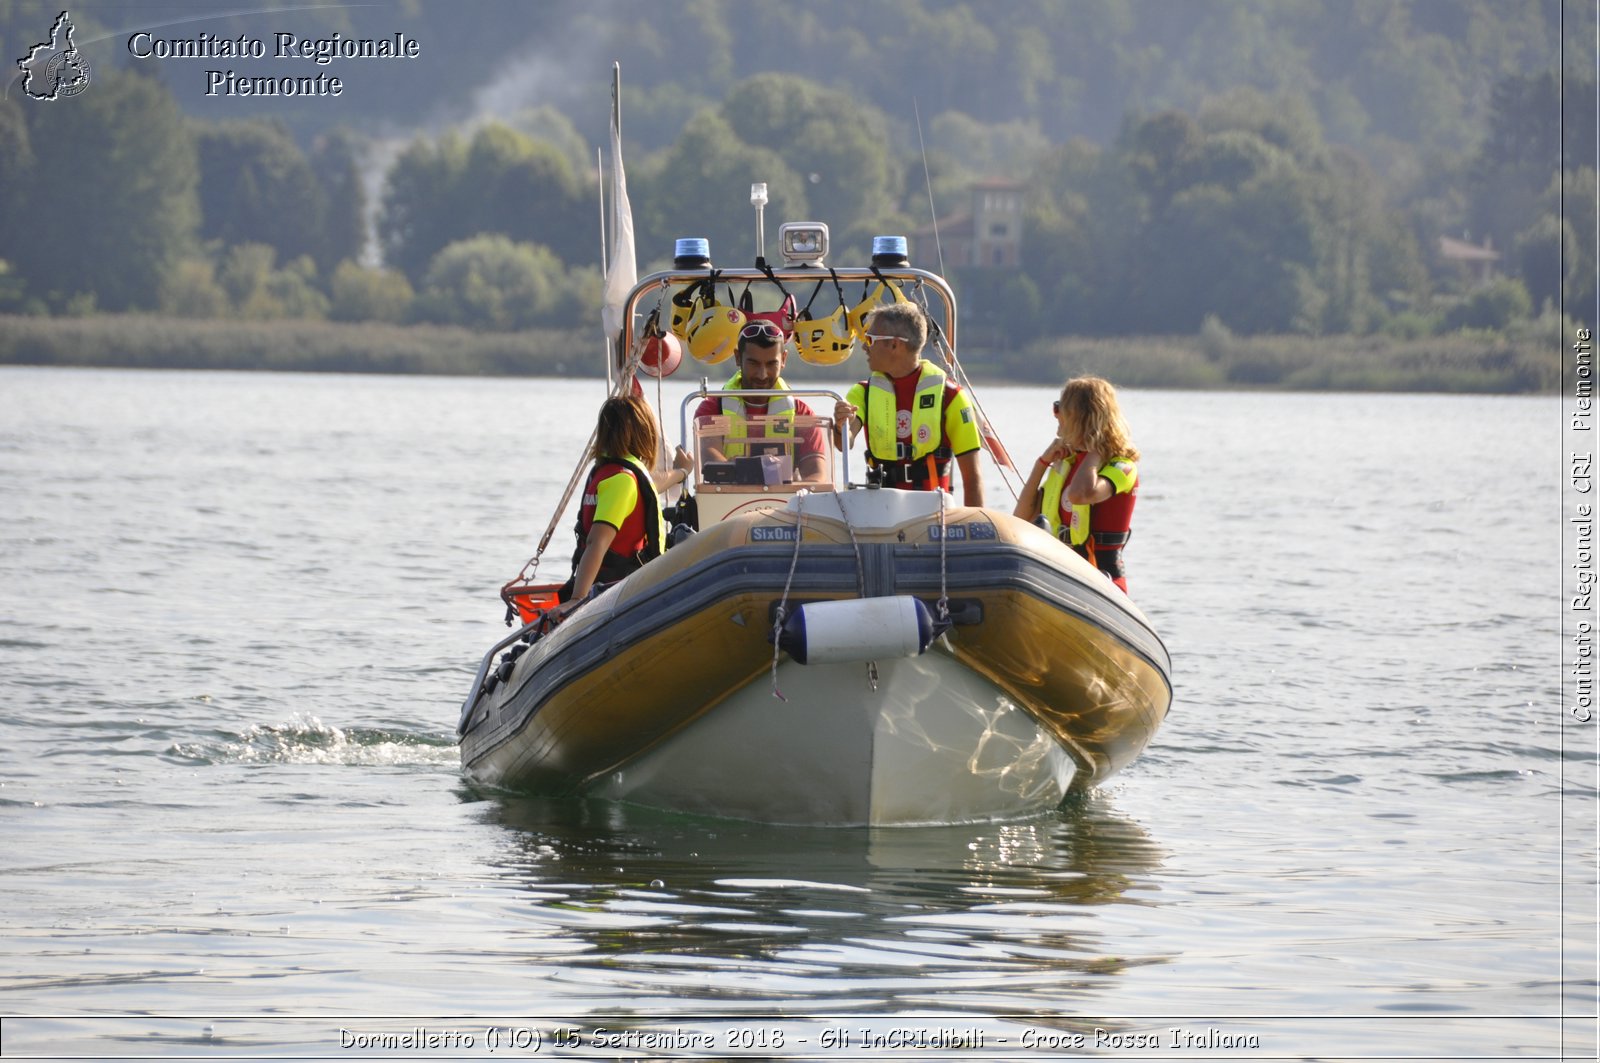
x: 620, y: 526
x: 1086, y: 482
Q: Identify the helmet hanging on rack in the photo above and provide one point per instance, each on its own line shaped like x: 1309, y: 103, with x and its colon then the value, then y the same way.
x: 686, y: 306
x: 783, y: 317
x: 690, y: 302
x: 714, y: 334
x: 824, y: 342
x: 857, y: 318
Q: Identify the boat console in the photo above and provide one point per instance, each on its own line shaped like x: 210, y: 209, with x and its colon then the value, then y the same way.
x: 753, y: 462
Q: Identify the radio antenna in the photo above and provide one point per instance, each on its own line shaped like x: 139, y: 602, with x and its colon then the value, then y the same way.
x: 927, y: 177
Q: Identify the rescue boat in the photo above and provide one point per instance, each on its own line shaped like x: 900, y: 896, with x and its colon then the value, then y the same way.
x: 818, y: 651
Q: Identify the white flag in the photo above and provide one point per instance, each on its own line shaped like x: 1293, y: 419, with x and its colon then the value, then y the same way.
x: 624, y: 270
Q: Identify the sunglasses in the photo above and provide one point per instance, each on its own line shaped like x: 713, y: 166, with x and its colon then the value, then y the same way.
x: 761, y: 330
x: 1055, y: 407
x: 873, y: 337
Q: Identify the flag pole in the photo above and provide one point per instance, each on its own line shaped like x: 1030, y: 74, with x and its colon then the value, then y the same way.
x: 600, y: 187
x: 621, y: 269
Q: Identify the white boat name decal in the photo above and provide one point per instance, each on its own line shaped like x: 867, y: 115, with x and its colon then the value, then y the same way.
x: 781, y: 534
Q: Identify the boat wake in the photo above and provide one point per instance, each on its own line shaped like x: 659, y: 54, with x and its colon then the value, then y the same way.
x: 307, y: 740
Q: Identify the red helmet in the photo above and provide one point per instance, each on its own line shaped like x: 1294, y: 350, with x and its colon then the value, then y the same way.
x: 783, y: 317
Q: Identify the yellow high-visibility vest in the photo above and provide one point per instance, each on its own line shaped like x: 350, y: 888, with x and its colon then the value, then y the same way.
x: 927, y: 416
x: 779, y: 406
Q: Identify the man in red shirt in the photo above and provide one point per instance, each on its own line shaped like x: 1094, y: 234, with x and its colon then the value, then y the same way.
x: 760, y: 355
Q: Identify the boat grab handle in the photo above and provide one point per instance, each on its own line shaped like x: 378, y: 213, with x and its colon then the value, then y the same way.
x: 483, y: 672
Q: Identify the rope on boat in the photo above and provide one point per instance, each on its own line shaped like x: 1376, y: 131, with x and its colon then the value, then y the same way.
x: 855, y: 544
x: 783, y: 602
x: 927, y: 177
x: 991, y: 438
x: 861, y: 580
x: 861, y: 583
x: 524, y: 578
x: 944, y: 594
x: 986, y: 433
x: 782, y: 613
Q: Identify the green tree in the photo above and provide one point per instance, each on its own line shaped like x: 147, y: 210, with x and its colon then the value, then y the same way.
x: 293, y: 291
x: 16, y: 173
x: 489, y: 282
x: 111, y: 206
x: 361, y: 294
x: 1232, y: 157
x: 1158, y: 155
x: 191, y: 290
x: 257, y: 187
x: 1578, y: 122
x: 527, y: 190
x: 1285, y: 121
x: 701, y: 187
x: 1353, y: 216
x: 422, y: 205
x: 1001, y: 308
x: 1492, y: 306
x: 1414, y: 82
x: 1519, y: 154
x: 501, y: 181
x: 336, y: 160
x: 1058, y: 248
x: 1578, y: 286
x: 988, y: 148
x: 1539, y: 253
x: 545, y: 124
x: 1514, y: 179
x: 1524, y: 126
x: 1221, y: 223
x: 835, y: 142
x: 263, y: 292
x: 244, y: 272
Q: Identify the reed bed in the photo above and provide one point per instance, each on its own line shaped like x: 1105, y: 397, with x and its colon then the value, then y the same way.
x: 1517, y: 362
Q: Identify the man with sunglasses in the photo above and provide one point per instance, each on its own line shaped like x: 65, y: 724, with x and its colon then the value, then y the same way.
x: 760, y: 355
x: 916, y: 418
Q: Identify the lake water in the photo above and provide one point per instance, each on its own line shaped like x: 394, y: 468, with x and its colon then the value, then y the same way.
x: 238, y: 614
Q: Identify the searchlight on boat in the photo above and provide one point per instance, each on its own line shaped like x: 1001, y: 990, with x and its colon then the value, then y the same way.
x: 804, y: 243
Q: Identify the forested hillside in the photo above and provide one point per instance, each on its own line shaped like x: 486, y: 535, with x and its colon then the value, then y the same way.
x: 1306, y: 167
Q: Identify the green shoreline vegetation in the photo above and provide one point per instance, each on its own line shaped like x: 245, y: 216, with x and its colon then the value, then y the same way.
x: 1394, y: 197
x: 1522, y: 359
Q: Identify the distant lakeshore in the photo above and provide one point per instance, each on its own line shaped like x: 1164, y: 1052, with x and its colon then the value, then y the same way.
x: 1524, y: 362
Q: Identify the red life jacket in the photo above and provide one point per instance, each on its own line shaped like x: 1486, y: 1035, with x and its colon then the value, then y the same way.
x: 623, y: 556
x: 1110, y: 523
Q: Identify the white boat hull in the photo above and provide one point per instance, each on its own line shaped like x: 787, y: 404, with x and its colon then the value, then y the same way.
x: 931, y: 742
x: 659, y: 691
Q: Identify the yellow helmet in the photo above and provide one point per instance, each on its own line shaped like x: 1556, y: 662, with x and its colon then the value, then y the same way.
x: 825, y: 342
x: 686, y: 306
x: 857, y: 318
x: 714, y: 333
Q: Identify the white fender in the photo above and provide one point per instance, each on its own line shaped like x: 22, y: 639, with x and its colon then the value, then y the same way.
x: 862, y: 629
